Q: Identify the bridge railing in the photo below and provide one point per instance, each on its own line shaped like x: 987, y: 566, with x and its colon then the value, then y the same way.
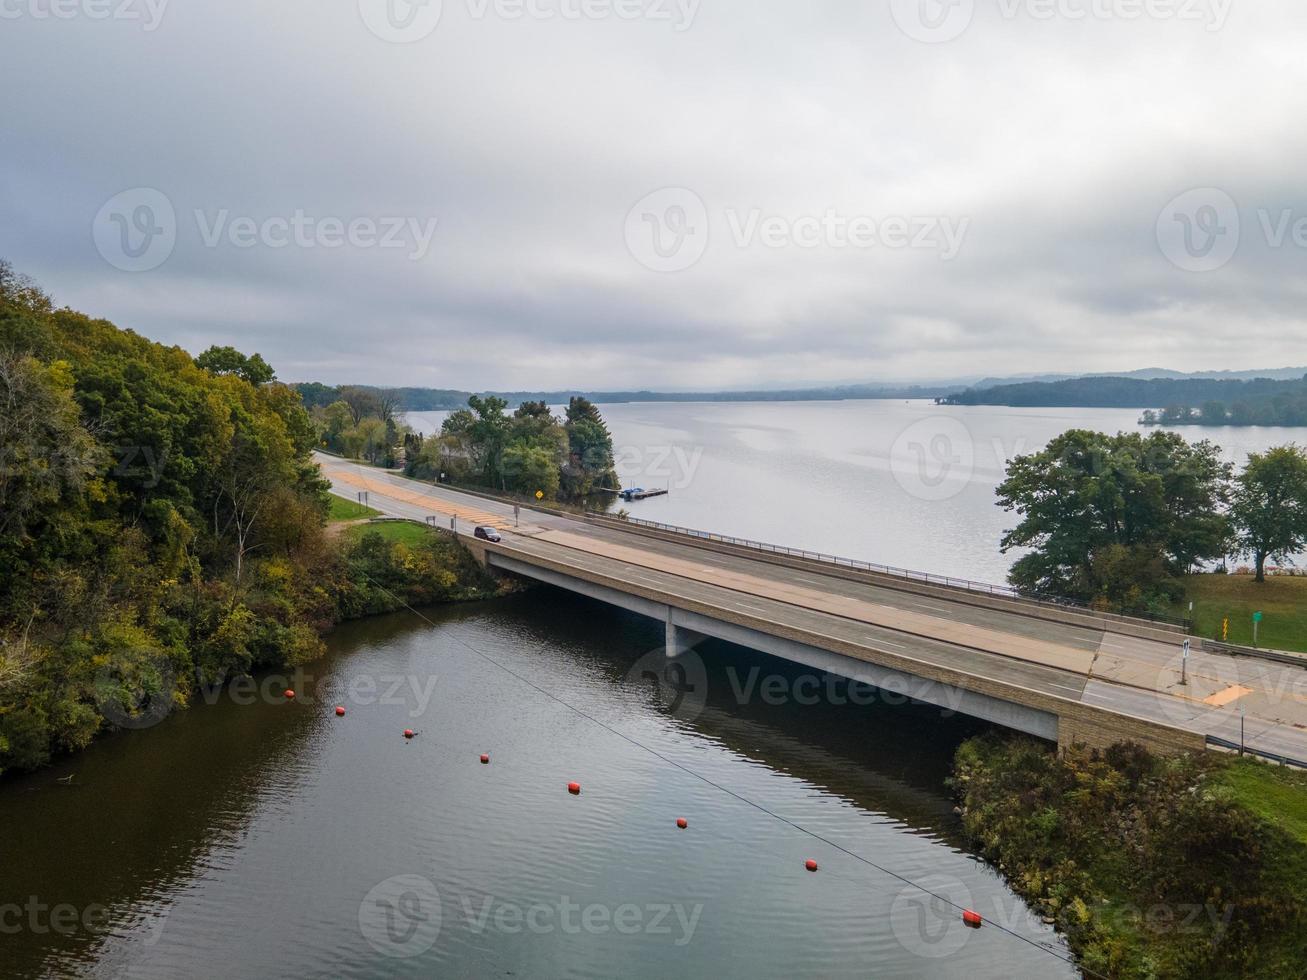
x: 907, y: 574
x: 1215, y: 741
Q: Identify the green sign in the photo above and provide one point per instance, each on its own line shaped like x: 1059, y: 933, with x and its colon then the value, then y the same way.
x: 1257, y: 617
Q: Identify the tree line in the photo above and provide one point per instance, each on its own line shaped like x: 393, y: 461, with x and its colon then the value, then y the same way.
x: 1120, y: 520
x: 529, y: 452
x: 162, y: 526
x: 1196, y: 401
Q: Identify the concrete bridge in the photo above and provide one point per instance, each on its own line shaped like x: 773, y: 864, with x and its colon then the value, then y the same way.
x: 1059, y: 673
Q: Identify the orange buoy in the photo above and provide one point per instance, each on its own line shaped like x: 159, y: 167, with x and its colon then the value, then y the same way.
x: 409, y: 733
x: 339, y: 711
x: 972, y: 919
x: 810, y: 864
x: 290, y: 695
x: 682, y: 822
x: 574, y: 789
x: 485, y: 759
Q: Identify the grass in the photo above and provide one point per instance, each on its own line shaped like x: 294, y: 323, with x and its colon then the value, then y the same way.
x: 1281, y: 599
x: 1277, y: 794
x: 348, y: 510
x: 402, y: 531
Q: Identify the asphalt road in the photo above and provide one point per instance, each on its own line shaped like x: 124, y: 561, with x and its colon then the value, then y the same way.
x: 1134, y: 676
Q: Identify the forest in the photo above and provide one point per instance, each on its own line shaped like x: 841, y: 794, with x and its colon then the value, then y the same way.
x: 162, y: 528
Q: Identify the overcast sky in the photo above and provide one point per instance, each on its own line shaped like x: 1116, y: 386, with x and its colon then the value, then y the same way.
x: 464, y: 194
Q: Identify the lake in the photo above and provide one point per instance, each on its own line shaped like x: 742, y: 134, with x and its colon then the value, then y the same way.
x: 909, y: 484
x: 259, y: 837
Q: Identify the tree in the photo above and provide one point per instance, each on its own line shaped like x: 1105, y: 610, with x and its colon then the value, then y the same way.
x: 590, y: 452
x: 336, y: 418
x: 362, y: 402
x: 1115, y: 518
x: 1214, y: 413
x: 1270, y: 506
x: 228, y: 360
x: 373, y: 433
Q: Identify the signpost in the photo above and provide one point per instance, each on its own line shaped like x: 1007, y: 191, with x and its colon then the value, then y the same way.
x: 1257, y: 621
x: 1184, y: 663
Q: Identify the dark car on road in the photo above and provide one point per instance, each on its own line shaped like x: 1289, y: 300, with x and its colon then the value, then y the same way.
x: 486, y: 533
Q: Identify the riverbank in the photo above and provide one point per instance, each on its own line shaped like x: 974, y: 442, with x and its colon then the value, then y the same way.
x: 1151, y: 867
x: 1281, y: 599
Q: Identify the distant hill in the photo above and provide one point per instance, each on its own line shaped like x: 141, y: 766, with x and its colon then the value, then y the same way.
x: 1186, y: 400
x: 1147, y: 374
x: 436, y: 399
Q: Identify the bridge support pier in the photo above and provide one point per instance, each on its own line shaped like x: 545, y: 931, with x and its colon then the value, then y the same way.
x: 679, y: 639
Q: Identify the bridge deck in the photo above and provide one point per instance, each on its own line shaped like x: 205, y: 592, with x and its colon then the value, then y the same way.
x: 1093, y: 667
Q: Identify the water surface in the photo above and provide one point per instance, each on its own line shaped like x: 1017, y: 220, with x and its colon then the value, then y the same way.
x: 271, y: 838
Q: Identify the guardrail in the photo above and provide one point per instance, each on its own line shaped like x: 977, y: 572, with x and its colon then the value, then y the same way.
x: 929, y: 578
x: 907, y: 574
x: 1284, y: 760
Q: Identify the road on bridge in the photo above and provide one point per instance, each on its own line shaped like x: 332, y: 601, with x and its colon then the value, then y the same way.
x: 1135, y: 676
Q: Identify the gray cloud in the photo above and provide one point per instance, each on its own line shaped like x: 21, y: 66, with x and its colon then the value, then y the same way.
x: 1058, y: 141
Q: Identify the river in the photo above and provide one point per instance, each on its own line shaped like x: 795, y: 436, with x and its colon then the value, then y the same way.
x: 255, y: 836
x: 258, y: 837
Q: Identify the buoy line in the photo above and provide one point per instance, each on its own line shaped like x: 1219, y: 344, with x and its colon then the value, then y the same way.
x: 967, y: 914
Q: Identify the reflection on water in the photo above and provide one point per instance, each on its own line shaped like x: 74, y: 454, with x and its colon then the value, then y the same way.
x: 274, y: 838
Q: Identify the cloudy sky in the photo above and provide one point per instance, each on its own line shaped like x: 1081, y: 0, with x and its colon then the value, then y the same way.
x: 667, y: 193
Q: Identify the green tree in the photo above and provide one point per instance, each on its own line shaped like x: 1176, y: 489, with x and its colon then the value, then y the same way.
x: 228, y: 360
x: 590, y: 462
x: 1270, y: 506
x: 1115, y: 518
x: 1214, y: 413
